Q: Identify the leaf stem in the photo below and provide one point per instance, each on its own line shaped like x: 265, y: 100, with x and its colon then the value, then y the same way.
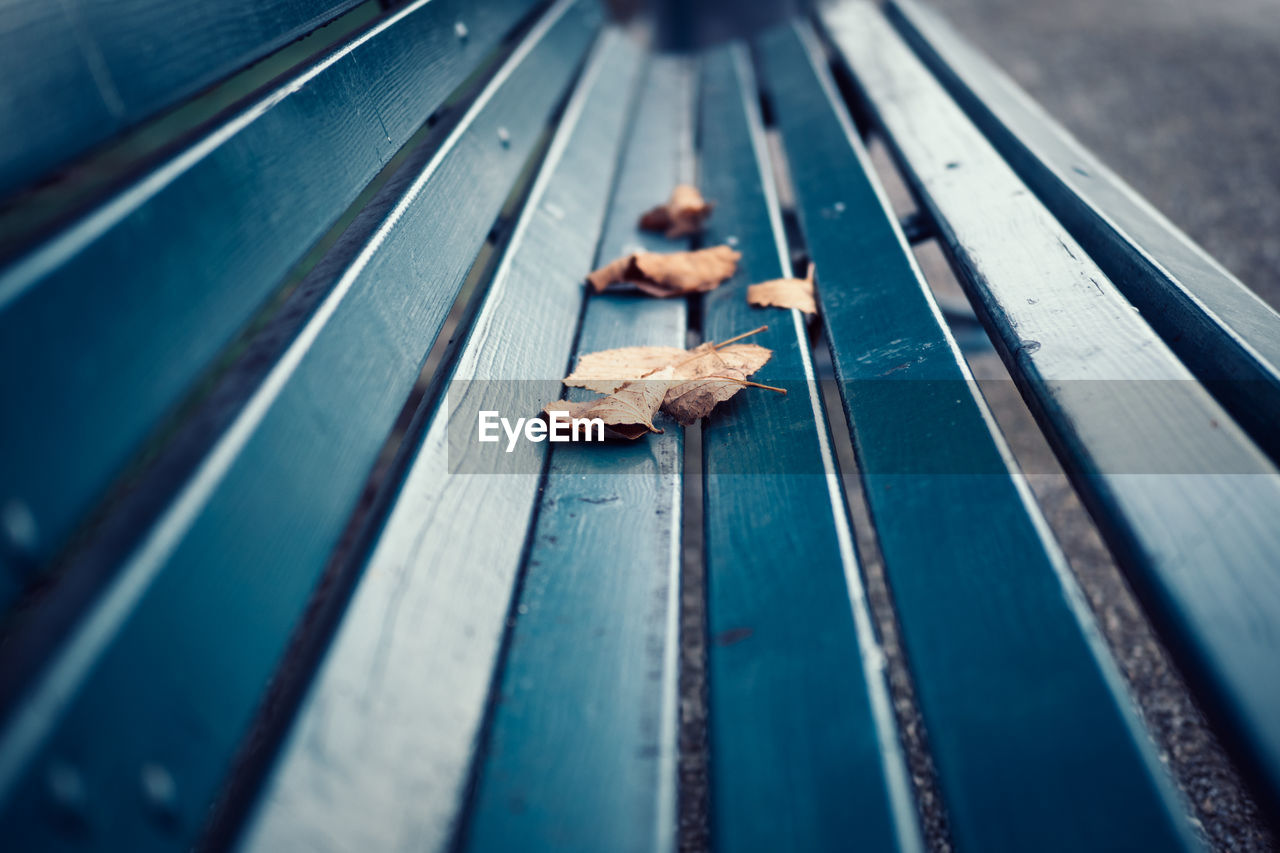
x: 739, y: 337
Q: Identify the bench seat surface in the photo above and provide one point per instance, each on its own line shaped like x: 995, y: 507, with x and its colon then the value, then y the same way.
x: 1008, y: 668
x: 190, y: 598
x: 1186, y: 499
x: 153, y: 284
x: 484, y: 651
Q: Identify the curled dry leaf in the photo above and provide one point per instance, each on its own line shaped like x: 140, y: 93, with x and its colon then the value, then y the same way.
x: 683, y: 213
x: 670, y: 274
x: 689, y: 401
x: 712, y: 374
x: 628, y: 411
x: 701, y: 377
x: 785, y: 293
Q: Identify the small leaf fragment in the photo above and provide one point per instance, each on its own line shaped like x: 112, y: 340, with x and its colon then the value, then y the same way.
x: 628, y: 412
x: 785, y: 293
x: 672, y: 274
x: 683, y: 214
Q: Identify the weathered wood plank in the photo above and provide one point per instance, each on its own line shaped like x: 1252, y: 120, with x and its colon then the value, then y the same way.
x: 1035, y: 742
x: 590, y: 674
x: 804, y: 746
x: 106, y: 325
x: 394, y: 748
x: 1228, y: 336
x: 168, y: 667
x: 76, y: 73
x: 1186, y: 500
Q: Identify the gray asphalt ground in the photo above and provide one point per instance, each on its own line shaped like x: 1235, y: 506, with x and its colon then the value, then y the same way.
x: 1181, y: 98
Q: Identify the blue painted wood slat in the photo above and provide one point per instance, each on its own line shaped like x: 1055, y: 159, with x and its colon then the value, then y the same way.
x: 1035, y: 743
x: 168, y: 667
x: 1224, y: 332
x: 104, y: 327
x: 1187, y: 502
x: 804, y: 745
x: 78, y: 72
x: 581, y: 754
x: 390, y: 725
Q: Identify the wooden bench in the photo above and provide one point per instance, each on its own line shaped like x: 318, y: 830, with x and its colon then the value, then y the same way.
x: 255, y: 597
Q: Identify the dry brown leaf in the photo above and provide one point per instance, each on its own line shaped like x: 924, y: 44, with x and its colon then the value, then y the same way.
x: 709, y: 358
x: 607, y: 370
x: 713, y: 374
x: 785, y: 293
x: 683, y: 213
x: 671, y: 274
x: 627, y: 412
x: 702, y: 377
x: 689, y: 401
x: 611, y: 273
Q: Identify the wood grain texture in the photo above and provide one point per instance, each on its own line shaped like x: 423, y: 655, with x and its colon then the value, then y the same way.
x: 106, y: 325
x: 581, y: 752
x: 1228, y: 336
x: 168, y: 667
x: 78, y: 72
x: 1189, y: 504
x: 375, y: 734
x: 804, y: 746
x: 1036, y: 744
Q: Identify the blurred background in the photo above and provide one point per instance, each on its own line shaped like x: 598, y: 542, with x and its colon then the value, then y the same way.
x: 1181, y: 98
